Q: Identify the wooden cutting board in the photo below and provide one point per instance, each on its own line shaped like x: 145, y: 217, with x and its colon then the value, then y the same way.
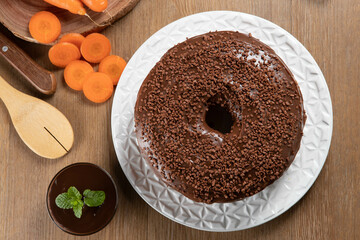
x: 15, y: 15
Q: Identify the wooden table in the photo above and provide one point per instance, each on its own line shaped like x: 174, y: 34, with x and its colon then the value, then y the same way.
x: 329, y: 29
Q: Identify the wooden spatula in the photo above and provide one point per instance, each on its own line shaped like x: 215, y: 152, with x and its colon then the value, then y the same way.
x: 43, y: 128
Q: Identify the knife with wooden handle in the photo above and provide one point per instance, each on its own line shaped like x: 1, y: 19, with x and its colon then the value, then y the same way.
x: 42, y: 79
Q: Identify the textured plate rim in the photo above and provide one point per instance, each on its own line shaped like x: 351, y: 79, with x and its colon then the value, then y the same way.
x: 330, y: 121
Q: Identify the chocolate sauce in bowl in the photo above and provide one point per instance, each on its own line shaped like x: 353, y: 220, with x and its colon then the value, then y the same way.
x: 82, y: 176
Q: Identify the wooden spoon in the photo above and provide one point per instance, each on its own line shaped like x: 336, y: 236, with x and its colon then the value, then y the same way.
x: 43, y: 128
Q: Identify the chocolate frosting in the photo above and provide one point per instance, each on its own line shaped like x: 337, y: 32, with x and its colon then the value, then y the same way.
x: 219, y: 117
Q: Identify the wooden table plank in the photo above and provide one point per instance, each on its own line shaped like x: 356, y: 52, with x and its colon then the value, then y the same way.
x: 329, y: 29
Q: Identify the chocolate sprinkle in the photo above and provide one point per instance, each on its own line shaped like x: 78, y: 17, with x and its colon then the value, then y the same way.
x: 227, y: 79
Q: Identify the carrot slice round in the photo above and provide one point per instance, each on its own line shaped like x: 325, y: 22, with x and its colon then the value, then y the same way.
x: 61, y: 54
x: 45, y: 27
x: 74, y: 38
x: 76, y: 72
x: 95, y: 47
x: 113, y: 66
x: 98, y: 87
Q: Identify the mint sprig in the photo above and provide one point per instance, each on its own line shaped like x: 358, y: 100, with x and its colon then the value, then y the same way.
x: 72, y: 199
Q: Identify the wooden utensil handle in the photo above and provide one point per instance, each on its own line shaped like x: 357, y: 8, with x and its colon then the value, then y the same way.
x: 43, y: 80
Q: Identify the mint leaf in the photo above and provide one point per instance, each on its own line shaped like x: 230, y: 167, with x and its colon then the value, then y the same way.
x: 63, y: 201
x: 73, y: 199
x: 74, y: 194
x: 86, y: 192
x: 93, y: 198
x: 77, y: 208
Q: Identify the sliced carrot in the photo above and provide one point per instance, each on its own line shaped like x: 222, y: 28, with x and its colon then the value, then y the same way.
x: 113, y: 66
x: 74, y: 38
x: 75, y: 74
x: 95, y: 47
x: 98, y: 87
x: 96, y: 5
x: 45, y: 27
x: 61, y: 54
x: 73, y: 6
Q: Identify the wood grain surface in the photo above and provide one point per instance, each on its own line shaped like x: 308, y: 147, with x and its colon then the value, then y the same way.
x: 329, y: 29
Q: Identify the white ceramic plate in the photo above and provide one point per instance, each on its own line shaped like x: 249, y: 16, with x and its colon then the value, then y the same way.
x: 276, y: 198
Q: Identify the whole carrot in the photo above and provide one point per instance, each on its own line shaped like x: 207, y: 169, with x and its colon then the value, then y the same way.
x: 96, y: 5
x: 73, y: 6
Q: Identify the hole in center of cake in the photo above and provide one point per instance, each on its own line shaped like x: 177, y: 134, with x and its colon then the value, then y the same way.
x: 219, y: 118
